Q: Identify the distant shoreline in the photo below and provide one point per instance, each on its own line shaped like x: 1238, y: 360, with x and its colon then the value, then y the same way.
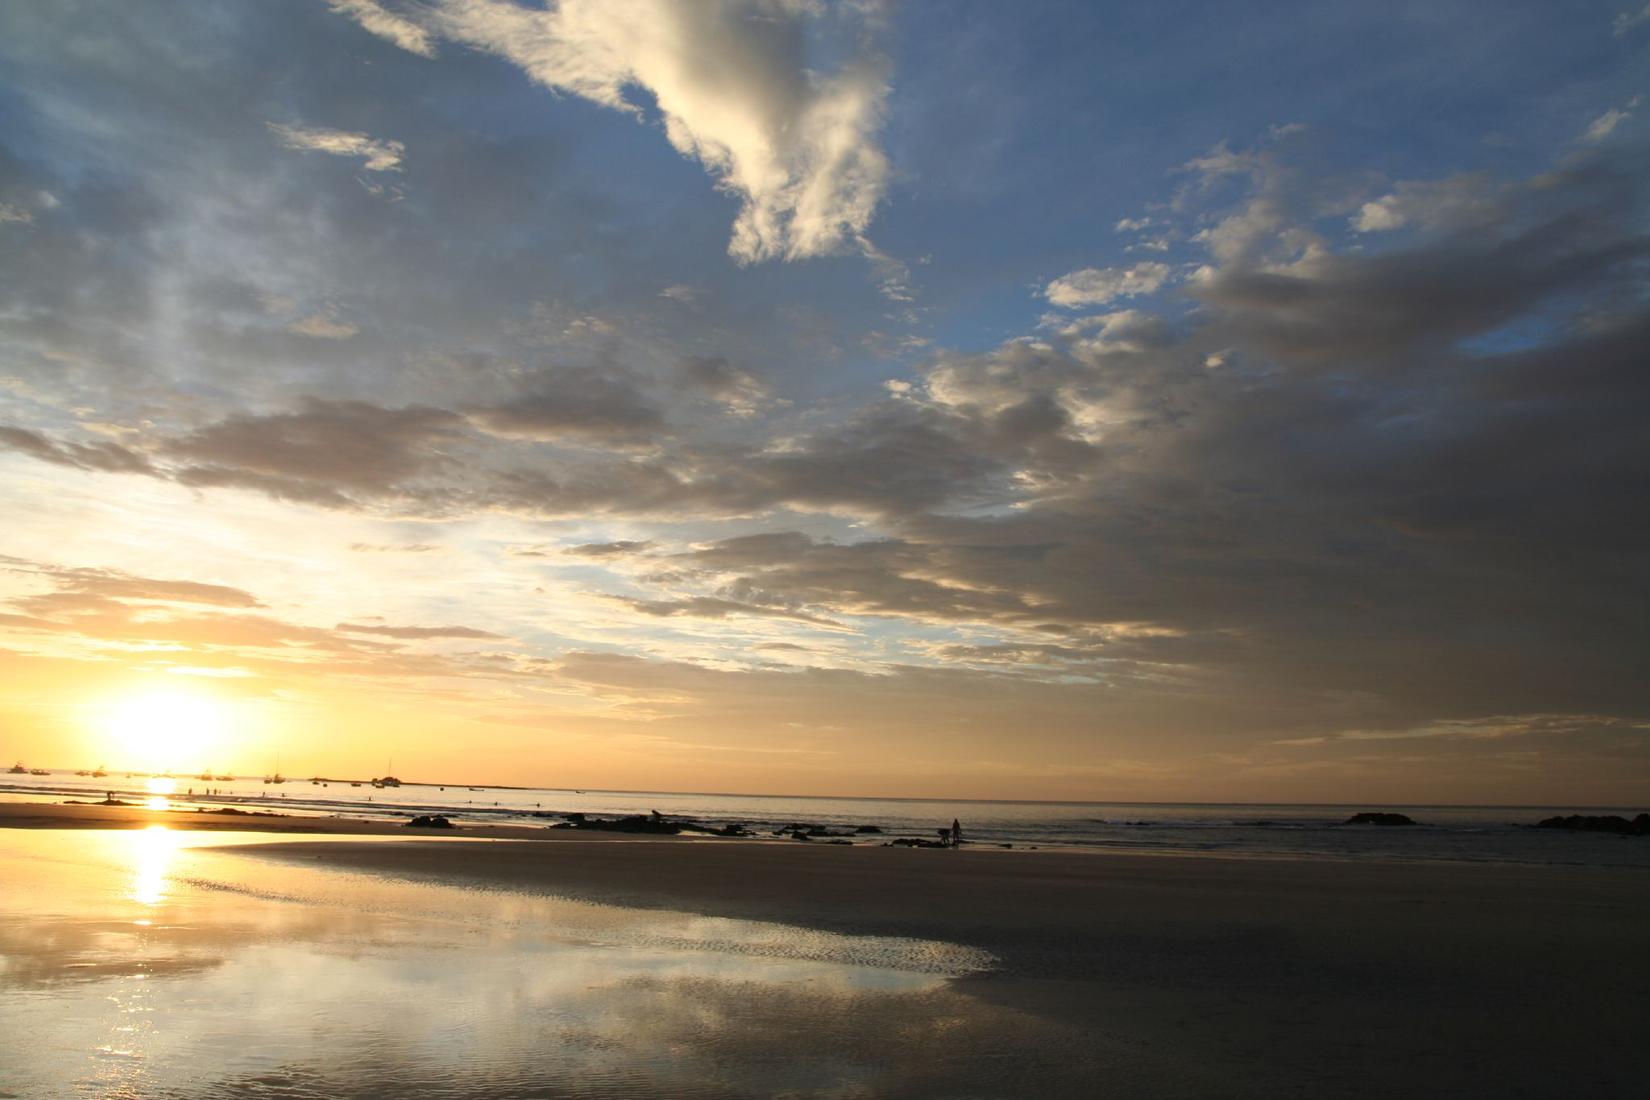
x: 1365, y: 804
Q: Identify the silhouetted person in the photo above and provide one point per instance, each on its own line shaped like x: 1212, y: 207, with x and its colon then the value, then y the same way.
x: 956, y: 833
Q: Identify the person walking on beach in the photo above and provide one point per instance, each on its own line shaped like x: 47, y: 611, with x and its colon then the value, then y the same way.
x: 956, y: 833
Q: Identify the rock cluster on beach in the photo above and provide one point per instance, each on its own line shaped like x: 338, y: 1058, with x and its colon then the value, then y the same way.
x: 1370, y: 817
x: 429, y: 821
x: 1601, y: 823
x: 799, y: 831
x: 654, y: 824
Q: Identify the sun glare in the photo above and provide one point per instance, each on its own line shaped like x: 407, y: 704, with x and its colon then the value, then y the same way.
x: 164, y: 730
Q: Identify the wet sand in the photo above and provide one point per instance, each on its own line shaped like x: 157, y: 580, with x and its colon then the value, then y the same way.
x: 1128, y: 975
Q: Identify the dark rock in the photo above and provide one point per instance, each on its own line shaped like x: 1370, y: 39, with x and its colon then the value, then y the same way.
x: 429, y: 821
x: 869, y: 829
x: 659, y: 826
x: 914, y: 842
x: 1373, y: 818
x: 839, y: 840
x: 801, y: 836
x: 1601, y: 823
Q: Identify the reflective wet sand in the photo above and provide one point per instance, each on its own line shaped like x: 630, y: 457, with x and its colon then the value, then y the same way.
x: 161, y: 963
x: 152, y: 963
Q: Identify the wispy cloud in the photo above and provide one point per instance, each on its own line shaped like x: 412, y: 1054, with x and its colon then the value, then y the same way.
x: 1605, y: 125
x: 376, y: 19
x: 1627, y: 20
x: 375, y: 155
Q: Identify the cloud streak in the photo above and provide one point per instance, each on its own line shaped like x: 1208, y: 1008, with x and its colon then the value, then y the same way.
x: 375, y: 155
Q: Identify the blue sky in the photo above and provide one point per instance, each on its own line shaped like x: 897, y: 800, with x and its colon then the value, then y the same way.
x: 772, y: 393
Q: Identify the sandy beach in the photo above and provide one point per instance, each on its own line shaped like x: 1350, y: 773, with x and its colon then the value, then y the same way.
x: 1122, y: 975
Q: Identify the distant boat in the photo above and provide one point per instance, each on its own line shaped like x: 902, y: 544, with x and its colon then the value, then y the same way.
x: 17, y: 769
x: 355, y: 784
x: 98, y: 772
x: 387, y: 780
x: 276, y: 778
x: 39, y: 771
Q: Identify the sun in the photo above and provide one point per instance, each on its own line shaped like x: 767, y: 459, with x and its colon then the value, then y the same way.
x: 164, y: 730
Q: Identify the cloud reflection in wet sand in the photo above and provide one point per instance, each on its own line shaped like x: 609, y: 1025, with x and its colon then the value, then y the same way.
x: 251, y: 979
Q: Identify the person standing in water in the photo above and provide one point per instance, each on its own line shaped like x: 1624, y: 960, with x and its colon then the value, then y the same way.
x: 956, y: 833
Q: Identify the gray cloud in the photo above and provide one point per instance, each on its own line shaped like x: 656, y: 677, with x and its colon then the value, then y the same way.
x: 586, y: 403
x: 716, y: 376
x: 713, y: 607
x: 98, y: 455
x: 609, y: 549
x: 328, y: 452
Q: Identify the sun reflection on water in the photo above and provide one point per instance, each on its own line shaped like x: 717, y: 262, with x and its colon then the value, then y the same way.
x: 158, y: 790
x: 152, y: 859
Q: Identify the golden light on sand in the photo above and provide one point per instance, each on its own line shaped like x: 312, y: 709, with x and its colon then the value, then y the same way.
x: 164, y: 730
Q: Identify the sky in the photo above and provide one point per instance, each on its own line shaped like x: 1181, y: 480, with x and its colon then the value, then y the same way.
x: 1183, y: 401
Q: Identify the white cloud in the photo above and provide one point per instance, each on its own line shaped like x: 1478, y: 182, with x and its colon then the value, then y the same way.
x: 1095, y: 286
x: 17, y: 214
x: 1627, y: 20
x: 376, y: 155
x: 387, y: 25
x: 1379, y: 216
x: 1605, y: 125
x: 737, y: 92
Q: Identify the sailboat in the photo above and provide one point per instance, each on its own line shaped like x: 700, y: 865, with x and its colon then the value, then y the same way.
x: 387, y: 780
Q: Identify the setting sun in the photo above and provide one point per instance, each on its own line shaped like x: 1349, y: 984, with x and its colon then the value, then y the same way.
x: 164, y: 730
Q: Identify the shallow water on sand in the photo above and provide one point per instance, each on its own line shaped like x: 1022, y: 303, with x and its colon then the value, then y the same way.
x: 153, y: 963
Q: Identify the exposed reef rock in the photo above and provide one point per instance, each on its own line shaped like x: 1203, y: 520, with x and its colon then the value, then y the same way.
x: 1372, y: 818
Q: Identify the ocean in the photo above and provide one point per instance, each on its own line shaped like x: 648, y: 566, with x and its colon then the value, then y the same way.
x: 1502, y: 834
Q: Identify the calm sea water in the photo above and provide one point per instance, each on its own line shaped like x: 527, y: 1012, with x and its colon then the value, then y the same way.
x: 1473, y: 833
